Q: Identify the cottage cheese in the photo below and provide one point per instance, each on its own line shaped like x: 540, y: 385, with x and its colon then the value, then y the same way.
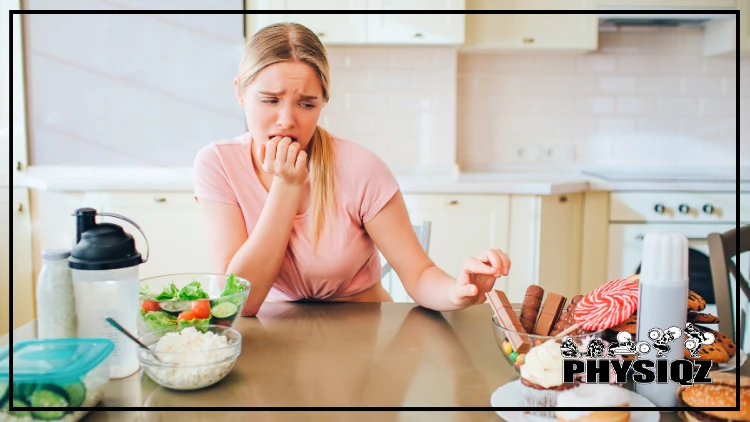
x: 191, y: 359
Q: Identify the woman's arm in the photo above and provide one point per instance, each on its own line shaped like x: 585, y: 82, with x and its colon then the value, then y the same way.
x: 428, y: 285
x: 257, y: 257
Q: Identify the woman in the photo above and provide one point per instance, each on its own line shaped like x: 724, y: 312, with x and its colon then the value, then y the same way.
x: 300, y: 213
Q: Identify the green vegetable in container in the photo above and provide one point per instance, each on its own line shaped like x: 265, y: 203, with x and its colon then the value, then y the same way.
x: 155, y: 320
x: 192, y: 291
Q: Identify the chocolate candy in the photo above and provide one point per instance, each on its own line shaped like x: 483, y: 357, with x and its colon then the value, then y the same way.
x: 508, y: 320
x: 530, y: 307
x: 551, y: 310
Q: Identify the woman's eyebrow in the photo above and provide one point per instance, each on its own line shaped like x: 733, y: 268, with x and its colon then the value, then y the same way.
x: 280, y: 93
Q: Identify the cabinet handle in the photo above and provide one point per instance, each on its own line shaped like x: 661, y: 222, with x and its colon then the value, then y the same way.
x: 19, y: 166
x: 160, y: 199
x: 418, y: 35
x: 20, y: 207
x: 563, y: 199
x: 528, y: 40
x: 451, y: 202
x: 321, y: 34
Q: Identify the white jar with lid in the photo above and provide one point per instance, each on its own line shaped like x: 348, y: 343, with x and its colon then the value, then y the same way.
x: 55, y: 299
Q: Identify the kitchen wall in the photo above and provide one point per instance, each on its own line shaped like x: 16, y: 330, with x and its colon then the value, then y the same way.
x: 647, y: 96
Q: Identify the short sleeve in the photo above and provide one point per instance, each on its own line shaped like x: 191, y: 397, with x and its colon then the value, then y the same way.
x: 211, y: 180
x: 375, y: 184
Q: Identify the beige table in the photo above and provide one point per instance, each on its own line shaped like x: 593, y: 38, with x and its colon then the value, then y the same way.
x: 343, y: 354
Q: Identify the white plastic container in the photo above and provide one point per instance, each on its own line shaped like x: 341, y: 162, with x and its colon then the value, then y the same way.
x: 55, y: 300
x: 109, y: 294
x: 662, y: 303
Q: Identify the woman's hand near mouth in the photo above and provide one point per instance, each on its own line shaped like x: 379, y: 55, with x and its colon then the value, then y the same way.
x: 284, y: 159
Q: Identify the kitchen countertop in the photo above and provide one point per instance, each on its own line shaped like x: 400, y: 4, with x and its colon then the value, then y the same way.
x: 338, y: 354
x: 65, y: 178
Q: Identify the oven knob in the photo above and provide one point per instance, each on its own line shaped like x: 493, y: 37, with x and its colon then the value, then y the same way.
x: 659, y: 208
x: 708, y: 209
x: 683, y: 208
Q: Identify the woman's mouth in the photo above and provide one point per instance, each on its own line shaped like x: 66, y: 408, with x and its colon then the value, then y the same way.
x: 293, y: 138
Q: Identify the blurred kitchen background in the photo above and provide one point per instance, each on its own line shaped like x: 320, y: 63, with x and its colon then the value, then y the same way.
x: 560, y: 138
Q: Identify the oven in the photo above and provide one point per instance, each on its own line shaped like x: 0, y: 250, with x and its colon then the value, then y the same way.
x: 694, y: 215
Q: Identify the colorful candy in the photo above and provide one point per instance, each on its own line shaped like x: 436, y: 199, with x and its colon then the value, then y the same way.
x: 520, y: 359
x: 608, y: 305
x: 513, y: 356
x: 507, y: 348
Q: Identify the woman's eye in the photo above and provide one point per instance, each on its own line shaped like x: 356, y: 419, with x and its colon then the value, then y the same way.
x: 309, y: 105
x: 269, y: 100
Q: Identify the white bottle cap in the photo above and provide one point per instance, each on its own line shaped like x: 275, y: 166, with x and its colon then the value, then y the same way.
x: 665, y: 259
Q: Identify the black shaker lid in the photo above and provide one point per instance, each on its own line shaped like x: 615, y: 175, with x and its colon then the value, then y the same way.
x: 104, y: 246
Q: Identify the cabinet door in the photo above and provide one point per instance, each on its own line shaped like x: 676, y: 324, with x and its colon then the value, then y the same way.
x: 330, y: 28
x: 415, y: 29
x: 19, y: 115
x: 544, y: 32
x: 744, y: 23
x: 5, y: 261
x: 23, y: 281
x: 666, y: 3
x: 171, y: 222
x: 462, y: 225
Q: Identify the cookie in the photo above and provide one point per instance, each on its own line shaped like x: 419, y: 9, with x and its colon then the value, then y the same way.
x: 695, y: 302
x: 532, y: 301
x: 715, y: 352
x: 702, y: 318
x: 628, y: 325
x: 721, y: 338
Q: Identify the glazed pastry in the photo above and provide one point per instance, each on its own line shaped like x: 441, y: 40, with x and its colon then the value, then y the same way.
x: 594, y: 395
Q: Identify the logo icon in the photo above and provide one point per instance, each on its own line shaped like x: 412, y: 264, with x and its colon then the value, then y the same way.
x: 598, y: 358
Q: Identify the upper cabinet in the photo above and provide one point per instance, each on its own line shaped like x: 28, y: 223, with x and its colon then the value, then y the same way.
x: 611, y: 4
x: 719, y: 36
x: 406, y: 29
x: 519, y: 32
x: 367, y: 28
x: 331, y: 28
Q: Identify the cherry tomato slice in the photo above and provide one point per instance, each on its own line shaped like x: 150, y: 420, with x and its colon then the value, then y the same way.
x: 201, y: 309
x: 149, y: 306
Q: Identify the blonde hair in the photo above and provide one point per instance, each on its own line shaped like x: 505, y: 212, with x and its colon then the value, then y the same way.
x: 291, y: 41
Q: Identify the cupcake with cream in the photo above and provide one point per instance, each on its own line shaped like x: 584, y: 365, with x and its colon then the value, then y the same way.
x: 542, y: 377
x: 594, y: 395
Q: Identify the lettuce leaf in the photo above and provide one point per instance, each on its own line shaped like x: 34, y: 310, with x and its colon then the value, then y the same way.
x: 232, y: 286
x: 154, y: 320
x: 192, y: 291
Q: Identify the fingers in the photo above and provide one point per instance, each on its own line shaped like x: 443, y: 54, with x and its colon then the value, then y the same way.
x: 301, y: 163
x: 261, y: 153
x: 270, y: 155
x: 497, y: 259
x: 291, y: 155
x: 282, y: 149
x: 475, y: 266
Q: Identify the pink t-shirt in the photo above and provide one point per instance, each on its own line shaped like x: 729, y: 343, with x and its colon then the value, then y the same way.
x: 347, y: 261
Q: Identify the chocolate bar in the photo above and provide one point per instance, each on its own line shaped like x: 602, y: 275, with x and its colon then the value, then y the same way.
x: 530, y: 307
x: 551, y: 310
x: 508, y: 320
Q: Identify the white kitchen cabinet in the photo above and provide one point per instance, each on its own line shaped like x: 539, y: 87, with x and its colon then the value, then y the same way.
x: 330, y: 28
x: 414, y: 29
x: 544, y: 244
x: 461, y: 226
x: 19, y: 158
x: 531, y: 32
x: 541, y: 234
x: 744, y: 23
x: 693, y: 4
x: 366, y: 28
x: 23, y: 280
x: 171, y: 222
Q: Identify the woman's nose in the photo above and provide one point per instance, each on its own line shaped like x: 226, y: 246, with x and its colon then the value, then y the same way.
x: 285, y: 117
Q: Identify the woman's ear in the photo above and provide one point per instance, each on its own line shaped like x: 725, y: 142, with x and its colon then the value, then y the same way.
x: 238, y: 92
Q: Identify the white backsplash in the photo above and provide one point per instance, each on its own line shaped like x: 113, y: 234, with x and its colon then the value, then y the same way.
x: 647, y: 96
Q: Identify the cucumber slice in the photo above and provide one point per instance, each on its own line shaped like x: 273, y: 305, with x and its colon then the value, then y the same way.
x: 17, y: 413
x: 48, y: 396
x: 224, y: 310
x: 76, y: 393
x: 4, y: 392
x: 23, y: 391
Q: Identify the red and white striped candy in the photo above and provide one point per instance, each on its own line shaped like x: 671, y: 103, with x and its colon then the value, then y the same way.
x: 608, y: 305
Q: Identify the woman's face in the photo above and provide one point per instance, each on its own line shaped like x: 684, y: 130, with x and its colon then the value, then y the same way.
x: 284, y: 99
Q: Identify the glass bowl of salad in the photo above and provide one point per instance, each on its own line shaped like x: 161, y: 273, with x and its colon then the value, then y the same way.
x: 190, y: 299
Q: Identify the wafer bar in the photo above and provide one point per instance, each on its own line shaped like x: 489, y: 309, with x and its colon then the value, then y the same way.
x: 508, y: 320
x: 553, y: 306
x: 530, y: 307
